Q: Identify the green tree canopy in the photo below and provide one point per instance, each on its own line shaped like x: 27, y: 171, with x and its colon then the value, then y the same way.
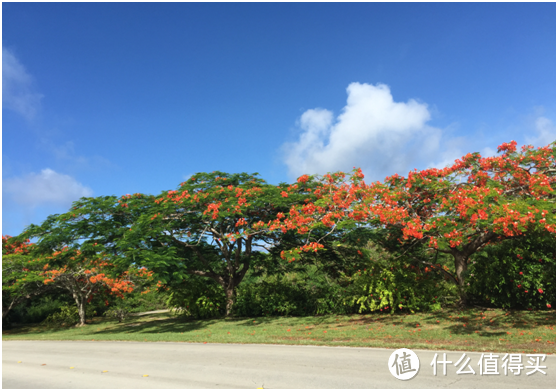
x: 214, y: 225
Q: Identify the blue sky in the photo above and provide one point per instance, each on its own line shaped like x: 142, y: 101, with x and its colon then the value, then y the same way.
x: 106, y: 98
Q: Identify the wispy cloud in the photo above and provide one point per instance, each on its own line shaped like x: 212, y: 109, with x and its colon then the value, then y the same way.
x: 545, y: 132
x: 67, y: 155
x: 18, y: 92
x: 373, y: 132
x: 46, y: 188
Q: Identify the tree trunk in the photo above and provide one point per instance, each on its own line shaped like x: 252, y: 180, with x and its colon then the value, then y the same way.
x: 230, y: 293
x: 80, y: 301
x: 460, y: 268
x: 20, y: 299
x: 461, y: 258
x: 6, y: 309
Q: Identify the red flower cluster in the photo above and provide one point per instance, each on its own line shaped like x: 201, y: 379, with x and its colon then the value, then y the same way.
x: 449, y: 207
x: 15, y: 247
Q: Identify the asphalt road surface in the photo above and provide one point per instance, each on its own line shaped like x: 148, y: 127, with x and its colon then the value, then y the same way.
x: 92, y: 364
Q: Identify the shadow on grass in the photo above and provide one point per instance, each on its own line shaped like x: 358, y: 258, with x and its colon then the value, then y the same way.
x: 482, y: 322
x: 136, y: 324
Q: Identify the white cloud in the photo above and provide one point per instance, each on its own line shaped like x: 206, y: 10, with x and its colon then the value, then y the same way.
x: 373, y: 132
x: 48, y: 187
x: 546, y: 132
x: 17, y: 87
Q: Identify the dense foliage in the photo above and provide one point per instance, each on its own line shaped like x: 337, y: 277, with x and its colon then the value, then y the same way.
x: 481, y: 231
x: 519, y: 273
x: 458, y: 210
x: 22, y: 276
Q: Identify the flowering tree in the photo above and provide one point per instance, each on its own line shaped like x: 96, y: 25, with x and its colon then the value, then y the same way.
x: 83, y: 278
x: 27, y: 272
x: 81, y: 248
x: 456, y: 210
x: 21, y: 274
x: 212, y: 226
x: 13, y: 246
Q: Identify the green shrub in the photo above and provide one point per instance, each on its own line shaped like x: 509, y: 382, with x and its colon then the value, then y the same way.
x: 518, y: 273
x: 37, y: 309
x: 270, y: 295
x: 399, y: 286
x: 307, y: 291
x: 137, y: 301
x: 197, y: 297
x: 67, y: 316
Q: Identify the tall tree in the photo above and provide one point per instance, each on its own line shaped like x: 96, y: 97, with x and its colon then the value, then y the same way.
x: 214, y: 225
x: 456, y: 210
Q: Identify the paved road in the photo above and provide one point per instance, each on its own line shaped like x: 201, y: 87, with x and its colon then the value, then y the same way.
x: 190, y: 365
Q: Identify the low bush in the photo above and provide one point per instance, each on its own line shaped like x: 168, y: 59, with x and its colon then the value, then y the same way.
x: 67, y: 316
x: 307, y: 291
x: 399, y: 286
x: 138, y: 301
x: 36, y: 309
x: 197, y: 297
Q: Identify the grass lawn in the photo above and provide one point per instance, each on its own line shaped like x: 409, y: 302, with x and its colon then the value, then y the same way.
x: 468, y: 330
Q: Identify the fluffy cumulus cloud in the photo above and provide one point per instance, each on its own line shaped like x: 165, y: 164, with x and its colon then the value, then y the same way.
x: 18, y: 93
x: 46, y: 188
x: 373, y: 132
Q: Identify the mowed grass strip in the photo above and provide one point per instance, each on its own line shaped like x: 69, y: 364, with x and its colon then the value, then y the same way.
x: 469, y: 330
